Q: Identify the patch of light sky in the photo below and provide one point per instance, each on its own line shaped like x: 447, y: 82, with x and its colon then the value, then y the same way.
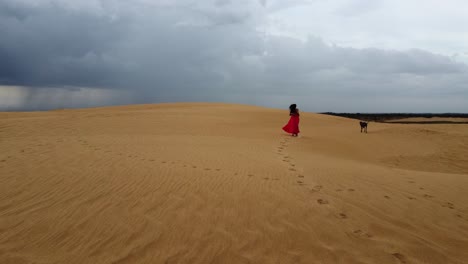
x: 435, y: 26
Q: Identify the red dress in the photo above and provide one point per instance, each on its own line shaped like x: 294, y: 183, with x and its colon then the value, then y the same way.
x: 292, y: 126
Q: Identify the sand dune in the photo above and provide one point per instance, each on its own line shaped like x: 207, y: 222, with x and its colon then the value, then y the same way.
x: 219, y: 183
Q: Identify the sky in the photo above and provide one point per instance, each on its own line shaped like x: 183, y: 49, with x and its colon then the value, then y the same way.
x: 337, y: 55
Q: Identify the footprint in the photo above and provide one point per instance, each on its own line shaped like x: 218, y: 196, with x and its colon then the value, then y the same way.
x: 250, y: 175
x: 358, y: 232
x: 300, y: 176
x: 361, y: 233
x: 207, y: 169
x: 266, y: 178
x: 428, y: 196
x: 218, y: 169
x: 292, y: 169
x: 322, y: 201
x: 421, y: 188
x: 400, y: 257
x: 163, y: 162
x: 411, y: 198
x: 410, y: 181
x: 343, y: 216
x: 351, y: 190
x: 449, y: 205
x: 300, y: 182
x: 194, y: 167
x: 316, y: 189
x: 387, y: 197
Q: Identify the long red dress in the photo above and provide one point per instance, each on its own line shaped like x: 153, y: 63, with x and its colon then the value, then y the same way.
x: 293, y: 125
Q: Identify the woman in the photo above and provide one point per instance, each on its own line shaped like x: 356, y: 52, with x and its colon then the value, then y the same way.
x: 293, y: 125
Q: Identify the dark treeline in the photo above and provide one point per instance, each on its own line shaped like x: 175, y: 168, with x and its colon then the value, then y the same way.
x: 382, y: 117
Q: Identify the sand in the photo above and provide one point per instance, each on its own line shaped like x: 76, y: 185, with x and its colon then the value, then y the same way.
x: 220, y: 183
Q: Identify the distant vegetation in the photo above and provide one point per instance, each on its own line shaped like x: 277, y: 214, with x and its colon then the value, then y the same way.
x: 384, y: 117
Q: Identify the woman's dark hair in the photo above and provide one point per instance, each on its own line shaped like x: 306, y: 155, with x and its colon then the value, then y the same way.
x: 292, y: 109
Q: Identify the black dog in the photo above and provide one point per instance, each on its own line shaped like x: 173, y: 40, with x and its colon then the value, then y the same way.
x: 363, y: 126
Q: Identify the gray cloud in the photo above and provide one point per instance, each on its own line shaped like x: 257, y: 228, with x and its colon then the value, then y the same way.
x: 138, y: 51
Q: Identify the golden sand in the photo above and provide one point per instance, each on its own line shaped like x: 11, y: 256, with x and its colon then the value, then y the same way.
x: 219, y: 183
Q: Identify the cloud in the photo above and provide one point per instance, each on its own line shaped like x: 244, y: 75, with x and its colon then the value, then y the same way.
x: 15, y: 98
x: 145, y: 51
x: 358, y: 7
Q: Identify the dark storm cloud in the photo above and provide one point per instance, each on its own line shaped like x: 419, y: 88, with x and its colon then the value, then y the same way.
x: 54, y: 46
x: 192, y: 50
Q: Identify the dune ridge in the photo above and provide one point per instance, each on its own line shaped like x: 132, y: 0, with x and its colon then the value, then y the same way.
x: 221, y: 183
